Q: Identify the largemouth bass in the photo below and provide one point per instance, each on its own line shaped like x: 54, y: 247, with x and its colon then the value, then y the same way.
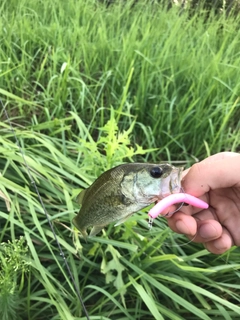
x: 123, y: 190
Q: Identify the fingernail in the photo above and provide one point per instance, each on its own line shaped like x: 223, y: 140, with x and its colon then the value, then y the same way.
x: 219, y: 245
x: 181, y: 227
x: 207, y: 231
x: 223, y: 243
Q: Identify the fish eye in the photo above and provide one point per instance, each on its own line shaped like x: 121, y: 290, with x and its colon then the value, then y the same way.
x: 156, y: 172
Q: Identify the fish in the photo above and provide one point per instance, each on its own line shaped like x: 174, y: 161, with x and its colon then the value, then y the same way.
x: 123, y: 190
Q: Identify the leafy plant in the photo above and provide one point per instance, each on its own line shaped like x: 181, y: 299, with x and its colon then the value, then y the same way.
x: 112, y: 148
x: 14, y: 266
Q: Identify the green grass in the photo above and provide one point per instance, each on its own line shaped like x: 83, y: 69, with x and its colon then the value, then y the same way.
x: 128, y: 272
x: 83, y: 85
x: 178, y: 75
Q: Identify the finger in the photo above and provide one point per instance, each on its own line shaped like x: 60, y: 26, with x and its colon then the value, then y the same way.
x: 223, y: 210
x: 186, y: 209
x: 207, y: 175
x: 215, y: 157
x: 220, y: 245
x: 220, y: 156
x: 203, y: 225
x: 215, y: 238
x: 207, y: 230
x: 182, y: 223
x: 230, y: 218
x: 170, y: 209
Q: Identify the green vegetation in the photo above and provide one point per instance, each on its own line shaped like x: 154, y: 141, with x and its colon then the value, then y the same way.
x: 165, y: 68
x: 88, y: 87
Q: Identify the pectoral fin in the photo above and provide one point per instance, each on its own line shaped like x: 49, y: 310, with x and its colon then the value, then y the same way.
x: 96, y: 229
x: 123, y: 220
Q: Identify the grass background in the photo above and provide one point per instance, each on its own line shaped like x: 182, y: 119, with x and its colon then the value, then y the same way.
x: 86, y: 85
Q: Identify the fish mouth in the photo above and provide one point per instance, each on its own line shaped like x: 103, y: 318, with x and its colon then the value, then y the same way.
x: 172, y: 184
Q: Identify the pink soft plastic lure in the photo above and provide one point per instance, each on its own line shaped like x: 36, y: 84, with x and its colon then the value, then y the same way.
x: 176, y: 198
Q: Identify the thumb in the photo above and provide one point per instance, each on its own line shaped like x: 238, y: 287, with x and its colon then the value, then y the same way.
x: 212, y: 173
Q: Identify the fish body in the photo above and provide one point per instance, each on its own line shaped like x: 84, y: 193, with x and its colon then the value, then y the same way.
x: 123, y: 190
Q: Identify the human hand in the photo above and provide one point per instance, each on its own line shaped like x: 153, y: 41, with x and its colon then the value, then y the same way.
x: 215, y: 180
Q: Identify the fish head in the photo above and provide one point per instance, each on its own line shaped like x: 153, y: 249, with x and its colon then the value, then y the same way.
x: 151, y: 182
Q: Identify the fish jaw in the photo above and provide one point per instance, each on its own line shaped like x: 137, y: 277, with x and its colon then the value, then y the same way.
x: 172, y: 183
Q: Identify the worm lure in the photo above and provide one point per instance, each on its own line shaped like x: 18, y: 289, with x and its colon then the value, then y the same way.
x: 173, y: 199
